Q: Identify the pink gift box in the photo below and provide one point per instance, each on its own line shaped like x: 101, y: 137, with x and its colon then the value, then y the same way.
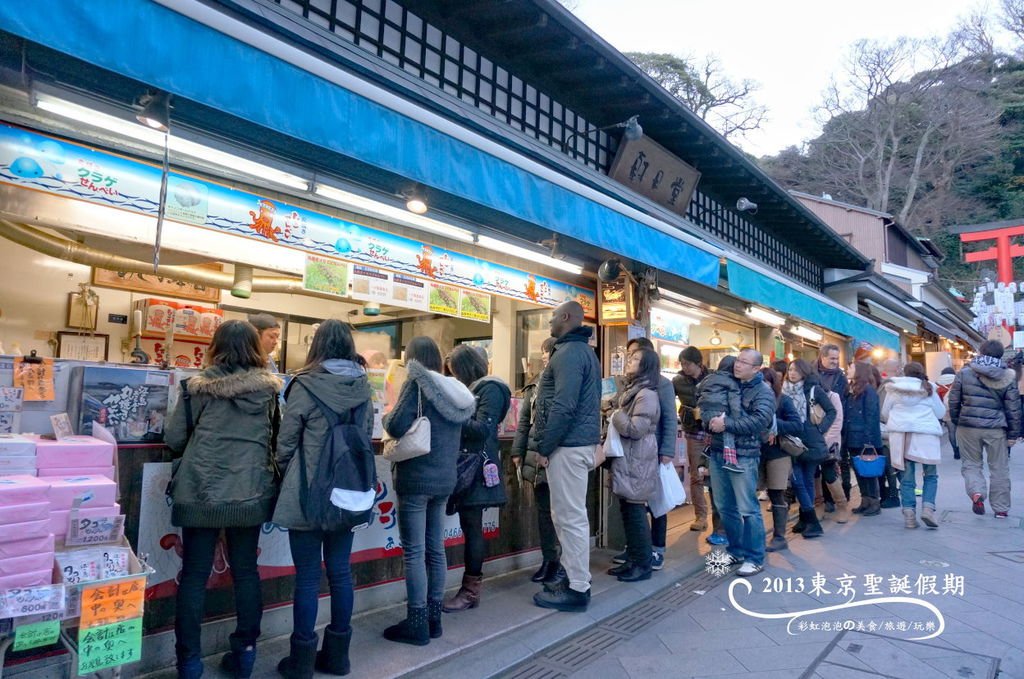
x: 29, y: 579
x: 26, y: 564
x: 107, y: 472
x: 74, y: 452
x: 22, y: 489
x: 59, y: 519
x: 29, y: 544
x: 17, y: 464
x: 64, y: 490
x: 13, y: 444
x: 24, y: 512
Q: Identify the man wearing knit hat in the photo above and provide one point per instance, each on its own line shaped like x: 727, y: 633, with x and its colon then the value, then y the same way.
x: 691, y: 372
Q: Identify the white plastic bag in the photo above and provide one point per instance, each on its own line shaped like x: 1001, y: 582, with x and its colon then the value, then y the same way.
x: 613, y: 443
x: 670, y: 492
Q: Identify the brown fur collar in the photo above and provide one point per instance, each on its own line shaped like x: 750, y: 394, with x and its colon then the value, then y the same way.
x: 220, y: 383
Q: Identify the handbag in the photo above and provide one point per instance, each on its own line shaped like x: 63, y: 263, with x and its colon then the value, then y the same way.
x: 869, y: 464
x: 468, y: 469
x: 792, y: 445
x: 413, y: 443
x: 817, y: 413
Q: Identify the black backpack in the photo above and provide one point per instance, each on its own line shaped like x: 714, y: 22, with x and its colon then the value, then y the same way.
x: 346, y: 465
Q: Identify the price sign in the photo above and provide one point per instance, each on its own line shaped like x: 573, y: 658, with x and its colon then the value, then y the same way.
x: 19, y: 602
x: 110, y: 645
x: 94, y: 531
x: 35, y: 632
x: 105, y: 604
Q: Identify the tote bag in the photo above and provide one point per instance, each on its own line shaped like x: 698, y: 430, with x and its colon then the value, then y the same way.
x: 413, y: 443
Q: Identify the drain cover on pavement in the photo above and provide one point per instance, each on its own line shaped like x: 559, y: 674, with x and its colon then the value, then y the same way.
x: 862, y: 655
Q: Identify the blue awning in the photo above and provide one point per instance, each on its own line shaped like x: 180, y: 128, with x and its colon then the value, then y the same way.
x: 754, y: 287
x: 196, y: 62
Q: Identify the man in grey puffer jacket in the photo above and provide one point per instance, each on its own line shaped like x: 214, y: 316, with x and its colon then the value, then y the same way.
x: 984, y: 404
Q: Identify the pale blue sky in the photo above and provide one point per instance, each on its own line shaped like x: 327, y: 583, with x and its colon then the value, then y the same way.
x: 791, y: 47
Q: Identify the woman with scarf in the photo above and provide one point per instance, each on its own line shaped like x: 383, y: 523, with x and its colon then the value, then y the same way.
x: 911, y: 411
x: 479, y: 438
x: 803, y: 387
x: 635, y: 474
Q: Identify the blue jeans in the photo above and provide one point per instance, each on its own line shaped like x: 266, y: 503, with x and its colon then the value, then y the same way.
x: 803, y: 483
x: 421, y: 528
x: 308, y: 548
x: 908, y: 485
x: 735, y: 496
x: 199, y: 545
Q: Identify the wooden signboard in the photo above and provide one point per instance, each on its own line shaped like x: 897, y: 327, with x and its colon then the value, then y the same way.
x: 652, y: 171
x: 155, y: 284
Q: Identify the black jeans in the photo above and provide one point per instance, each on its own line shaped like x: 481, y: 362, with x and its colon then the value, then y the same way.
x: 474, y: 549
x: 198, y: 546
x: 659, y: 531
x: 549, y: 547
x: 308, y: 548
x: 638, y: 533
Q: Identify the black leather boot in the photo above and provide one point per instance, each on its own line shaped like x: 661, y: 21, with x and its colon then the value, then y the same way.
x: 780, y: 513
x: 546, y: 571
x: 333, y: 655
x: 415, y: 629
x: 813, y: 526
x: 434, y: 610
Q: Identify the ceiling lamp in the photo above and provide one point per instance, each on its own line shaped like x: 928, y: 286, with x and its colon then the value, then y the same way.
x: 806, y: 333
x: 765, y: 316
x: 156, y: 110
x: 415, y: 201
x: 716, y: 339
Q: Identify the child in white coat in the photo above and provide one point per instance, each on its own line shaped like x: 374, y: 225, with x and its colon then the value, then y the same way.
x: 912, y: 411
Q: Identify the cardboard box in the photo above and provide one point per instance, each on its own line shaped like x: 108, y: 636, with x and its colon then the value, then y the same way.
x: 77, y: 451
x: 27, y: 579
x: 17, y: 489
x: 23, y: 531
x: 26, y: 564
x: 157, y: 316
x: 17, y: 445
x: 20, y: 513
x: 33, y: 545
x: 64, y: 490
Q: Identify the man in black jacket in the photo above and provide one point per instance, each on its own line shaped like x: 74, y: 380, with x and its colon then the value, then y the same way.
x: 736, y: 494
x: 834, y: 379
x: 984, y: 404
x: 566, y: 431
x: 691, y: 372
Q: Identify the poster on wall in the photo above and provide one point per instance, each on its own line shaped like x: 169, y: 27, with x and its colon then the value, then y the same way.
x: 162, y: 541
x: 325, y: 275
x: 131, y: 403
x: 371, y: 284
x: 71, y: 170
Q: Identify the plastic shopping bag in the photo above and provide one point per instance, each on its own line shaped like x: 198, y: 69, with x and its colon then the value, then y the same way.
x: 613, y: 443
x: 670, y: 492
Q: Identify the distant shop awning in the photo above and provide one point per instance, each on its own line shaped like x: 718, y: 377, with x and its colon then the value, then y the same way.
x: 891, y: 317
x: 755, y: 287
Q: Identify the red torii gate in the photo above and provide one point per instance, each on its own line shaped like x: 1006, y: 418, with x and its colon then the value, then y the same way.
x: 1003, y: 252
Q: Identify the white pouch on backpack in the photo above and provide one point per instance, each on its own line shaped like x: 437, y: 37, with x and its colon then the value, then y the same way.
x: 353, y: 500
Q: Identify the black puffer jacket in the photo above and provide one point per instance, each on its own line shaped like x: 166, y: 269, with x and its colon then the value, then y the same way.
x: 668, y: 422
x: 448, y: 404
x: 984, y: 396
x: 686, y: 391
x: 568, y: 397
x: 787, y: 421
x: 813, y: 435
x: 480, y: 434
x: 751, y: 427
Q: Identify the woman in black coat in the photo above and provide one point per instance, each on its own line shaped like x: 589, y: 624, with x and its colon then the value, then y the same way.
x: 778, y: 464
x: 479, y: 438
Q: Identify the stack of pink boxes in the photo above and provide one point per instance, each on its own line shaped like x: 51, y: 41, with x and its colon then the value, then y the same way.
x: 26, y: 543
x: 17, y: 455
x: 75, y: 456
x: 98, y: 494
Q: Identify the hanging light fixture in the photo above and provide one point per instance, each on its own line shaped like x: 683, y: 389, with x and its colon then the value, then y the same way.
x: 716, y: 339
x: 415, y: 201
x: 156, y: 111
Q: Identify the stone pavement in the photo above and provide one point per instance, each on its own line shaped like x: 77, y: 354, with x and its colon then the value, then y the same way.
x: 681, y: 623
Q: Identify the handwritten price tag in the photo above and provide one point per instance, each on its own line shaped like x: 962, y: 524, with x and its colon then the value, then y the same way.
x: 95, y: 531
x: 37, y: 633
x: 17, y: 603
x: 105, y: 604
x: 110, y: 645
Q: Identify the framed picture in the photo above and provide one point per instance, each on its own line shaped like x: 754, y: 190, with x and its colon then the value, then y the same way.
x: 82, y: 347
x: 82, y: 312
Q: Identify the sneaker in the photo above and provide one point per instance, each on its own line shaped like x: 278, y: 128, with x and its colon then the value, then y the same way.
x: 621, y: 557
x: 716, y: 539
x: 749, y: 568
x: 919, y: 492
x: 568, y: 600
x: 762, y: 495
x: 735, y: 469
x: 978, y: 504
x: 1002, y: 515
x: 657, y: 561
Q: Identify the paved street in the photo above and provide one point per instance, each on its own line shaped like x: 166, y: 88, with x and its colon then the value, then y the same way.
x: 682, y: 624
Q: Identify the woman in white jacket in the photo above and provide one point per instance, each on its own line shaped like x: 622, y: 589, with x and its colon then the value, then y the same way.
x: 912, y: 410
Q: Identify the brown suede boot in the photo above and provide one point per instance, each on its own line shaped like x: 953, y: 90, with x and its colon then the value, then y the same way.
x: 842, y: 513
x: 468, y: 595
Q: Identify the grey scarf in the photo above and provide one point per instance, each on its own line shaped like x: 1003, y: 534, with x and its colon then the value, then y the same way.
x: 795, y: 390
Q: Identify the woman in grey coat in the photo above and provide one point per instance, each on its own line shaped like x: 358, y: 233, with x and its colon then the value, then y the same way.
x: 479, y: 438
x: 333, y: 375
x: 224, y: 480
x: 635, y: 474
